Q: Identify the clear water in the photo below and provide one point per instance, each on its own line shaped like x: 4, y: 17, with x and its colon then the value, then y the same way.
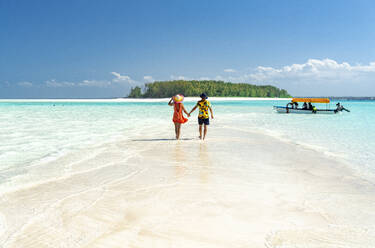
x: 34, y: 132
x: 350, y: 136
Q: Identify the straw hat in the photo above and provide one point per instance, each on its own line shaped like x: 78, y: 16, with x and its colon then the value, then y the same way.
x: 178, y: 98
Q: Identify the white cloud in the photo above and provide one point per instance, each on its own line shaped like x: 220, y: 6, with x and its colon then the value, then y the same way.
x: 314, y: 69
x: 94, y: 83
x: 179, y: 77
x: 317, y: 77
x: 54, y: 83
x: 148, y: 79
x: 121, y: 78
x: 204, y: 78
x: 25, y: 84
x: 314, y: 77
x: 217, y: 78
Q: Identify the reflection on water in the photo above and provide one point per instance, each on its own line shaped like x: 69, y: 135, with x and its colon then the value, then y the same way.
x: 180, y: 160
x: 184, y: 159
x: 204, y: 162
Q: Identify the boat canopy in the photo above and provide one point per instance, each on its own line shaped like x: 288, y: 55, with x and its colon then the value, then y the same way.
x: 315, y: 100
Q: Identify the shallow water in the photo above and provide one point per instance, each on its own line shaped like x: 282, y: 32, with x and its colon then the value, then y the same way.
x: 347, y: 135
x: 33, y: 133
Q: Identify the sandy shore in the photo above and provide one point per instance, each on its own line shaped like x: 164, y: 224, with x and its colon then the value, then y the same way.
x: 236, y: 189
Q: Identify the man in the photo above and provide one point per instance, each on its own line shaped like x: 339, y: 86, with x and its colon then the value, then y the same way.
x: 203, y: 118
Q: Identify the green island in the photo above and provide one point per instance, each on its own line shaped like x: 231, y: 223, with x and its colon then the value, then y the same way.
x: 165, y: 89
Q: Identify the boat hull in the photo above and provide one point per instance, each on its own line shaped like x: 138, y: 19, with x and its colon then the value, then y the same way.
x: 284, y: 110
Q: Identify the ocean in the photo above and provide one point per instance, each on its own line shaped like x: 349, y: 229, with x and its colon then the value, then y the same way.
x: 37, y: 133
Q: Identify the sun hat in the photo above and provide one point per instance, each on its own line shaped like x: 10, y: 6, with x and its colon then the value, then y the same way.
x: 203, y: 95
x: 178, y: 98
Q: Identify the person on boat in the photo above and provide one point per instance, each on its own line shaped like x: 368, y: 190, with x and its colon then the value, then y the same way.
x: 304, y: 106
x: 295, y: 105
x: 340, y: 108
x: 310, y: 106
x: 203, y: 117
x: 178, y: 117
x: 314, y: 109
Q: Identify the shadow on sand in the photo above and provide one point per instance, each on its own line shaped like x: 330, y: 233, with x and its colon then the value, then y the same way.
x: 159, y: 139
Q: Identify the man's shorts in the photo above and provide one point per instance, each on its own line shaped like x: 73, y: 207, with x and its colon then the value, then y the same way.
x: 204, y: 121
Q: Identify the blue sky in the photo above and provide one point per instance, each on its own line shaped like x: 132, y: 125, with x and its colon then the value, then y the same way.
x: 100, y: 49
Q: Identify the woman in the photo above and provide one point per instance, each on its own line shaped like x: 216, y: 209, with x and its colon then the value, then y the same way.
x: 178, y: 117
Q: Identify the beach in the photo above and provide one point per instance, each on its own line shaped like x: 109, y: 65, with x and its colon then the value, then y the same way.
x: 130, y: 184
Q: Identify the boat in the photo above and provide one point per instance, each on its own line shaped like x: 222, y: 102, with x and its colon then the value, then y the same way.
x: 308, y: 108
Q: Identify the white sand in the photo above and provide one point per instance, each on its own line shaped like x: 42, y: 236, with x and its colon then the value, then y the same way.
x: 236, y: 189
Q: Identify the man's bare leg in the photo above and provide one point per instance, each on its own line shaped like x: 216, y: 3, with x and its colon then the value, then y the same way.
x: 205, y: 131
x: 200, y: 131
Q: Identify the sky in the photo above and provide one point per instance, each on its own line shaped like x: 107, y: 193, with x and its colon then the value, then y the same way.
x: 101, y: 49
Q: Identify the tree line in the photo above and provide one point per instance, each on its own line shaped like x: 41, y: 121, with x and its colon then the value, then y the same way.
x: 165, y: 89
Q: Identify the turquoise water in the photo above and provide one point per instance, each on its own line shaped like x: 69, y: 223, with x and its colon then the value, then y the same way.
x: 32, y: 133
x: 347, y: 135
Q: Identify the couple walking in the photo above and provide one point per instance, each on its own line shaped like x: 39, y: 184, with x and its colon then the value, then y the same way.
x: 203, y: 117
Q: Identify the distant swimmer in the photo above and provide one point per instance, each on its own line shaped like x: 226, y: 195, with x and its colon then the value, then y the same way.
x: 203, y: 117
x: 178, y: 117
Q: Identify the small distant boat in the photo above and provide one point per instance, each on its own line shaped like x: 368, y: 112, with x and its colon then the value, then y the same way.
x: 308, y: 108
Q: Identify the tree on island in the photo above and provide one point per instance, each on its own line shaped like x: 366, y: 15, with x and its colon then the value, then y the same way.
x: 135, y: 92
x: 164, y: 89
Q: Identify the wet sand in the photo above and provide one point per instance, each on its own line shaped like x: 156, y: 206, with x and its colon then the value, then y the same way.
x: 236, y: 189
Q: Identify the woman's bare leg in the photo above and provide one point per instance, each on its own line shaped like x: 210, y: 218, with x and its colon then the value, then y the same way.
x: 176, y: 129
x: 200, y: 131
x: 178, y: 125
